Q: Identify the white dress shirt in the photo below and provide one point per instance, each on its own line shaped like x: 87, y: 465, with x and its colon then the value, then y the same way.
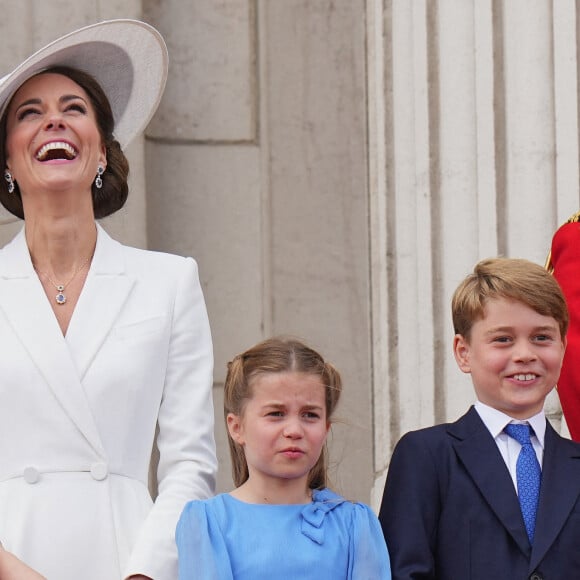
x: 509, y: 448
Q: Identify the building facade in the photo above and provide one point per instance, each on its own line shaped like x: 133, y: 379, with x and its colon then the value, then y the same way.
x: 336, y: 167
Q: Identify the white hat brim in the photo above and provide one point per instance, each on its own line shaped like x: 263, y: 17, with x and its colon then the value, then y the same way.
x: 127, y: 57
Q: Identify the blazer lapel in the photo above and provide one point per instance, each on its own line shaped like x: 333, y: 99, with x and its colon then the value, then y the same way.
x: 24, y: 303
x: 480, y: 456
x: 558, y: 493
x: 107, y: 287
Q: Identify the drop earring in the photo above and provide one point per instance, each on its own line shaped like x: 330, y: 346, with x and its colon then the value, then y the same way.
x: 98, y: 180
x: 8, y: 178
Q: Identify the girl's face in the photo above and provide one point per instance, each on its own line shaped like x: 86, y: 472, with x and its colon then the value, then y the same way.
x: 52, y: 137
x: 283, y: 427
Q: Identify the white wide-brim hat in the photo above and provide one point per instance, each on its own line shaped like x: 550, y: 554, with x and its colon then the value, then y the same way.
x: 128, y: 58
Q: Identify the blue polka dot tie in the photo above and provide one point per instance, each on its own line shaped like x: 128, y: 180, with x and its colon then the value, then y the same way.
x: 528, y: 474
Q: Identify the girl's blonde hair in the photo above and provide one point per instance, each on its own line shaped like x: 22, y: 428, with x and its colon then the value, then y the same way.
x: 277, y: 355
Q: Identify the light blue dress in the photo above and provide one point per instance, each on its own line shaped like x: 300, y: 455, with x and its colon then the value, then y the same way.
x: 224, y: 538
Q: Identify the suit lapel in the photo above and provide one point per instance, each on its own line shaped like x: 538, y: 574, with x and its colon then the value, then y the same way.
x: 24, y: 303
x: 479, y: 454
x: 106, y: 290
x: 558, y: 493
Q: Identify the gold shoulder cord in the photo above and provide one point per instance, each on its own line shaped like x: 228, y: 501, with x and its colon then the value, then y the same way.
x: 573, y: 218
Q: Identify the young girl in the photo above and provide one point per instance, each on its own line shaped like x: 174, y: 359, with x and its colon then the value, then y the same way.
x: 281, y: 521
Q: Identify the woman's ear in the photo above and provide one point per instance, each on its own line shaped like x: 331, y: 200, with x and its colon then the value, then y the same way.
x: 461, y: 351
x: 103, y: 156
x: 235, y: 428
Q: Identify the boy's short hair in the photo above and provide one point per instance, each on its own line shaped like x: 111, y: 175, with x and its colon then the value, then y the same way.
x: 513, y: 279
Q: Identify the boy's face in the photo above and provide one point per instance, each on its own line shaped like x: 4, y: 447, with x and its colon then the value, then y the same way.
x: 514, y: 356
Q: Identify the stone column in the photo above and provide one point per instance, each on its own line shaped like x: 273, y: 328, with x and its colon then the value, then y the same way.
x: 473, y: 124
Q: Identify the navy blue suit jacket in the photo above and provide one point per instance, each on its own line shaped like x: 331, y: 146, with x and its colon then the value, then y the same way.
x: 450, y: 510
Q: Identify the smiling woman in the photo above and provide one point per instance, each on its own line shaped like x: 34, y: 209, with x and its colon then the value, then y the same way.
x: 54, y: 146
x: 79, y: 101
x: 86, y: 381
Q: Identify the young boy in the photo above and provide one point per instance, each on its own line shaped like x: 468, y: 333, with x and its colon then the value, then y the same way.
x: 451, y: 506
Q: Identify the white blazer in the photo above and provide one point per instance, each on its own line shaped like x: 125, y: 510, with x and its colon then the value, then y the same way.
x: 78, y: 414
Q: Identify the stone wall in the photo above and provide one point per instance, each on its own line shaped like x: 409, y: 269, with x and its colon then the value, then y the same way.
x: 336, y: 167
